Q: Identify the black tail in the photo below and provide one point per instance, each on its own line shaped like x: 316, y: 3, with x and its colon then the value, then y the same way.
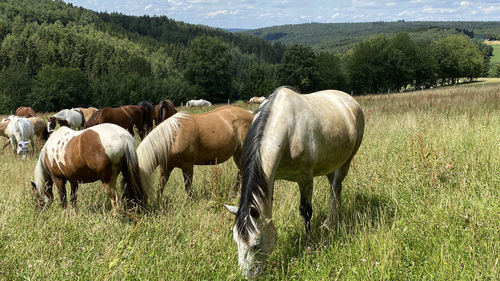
x: 94, y: 119
x: 162, y: 108
x: 45, y: 134
x: 254, y: 184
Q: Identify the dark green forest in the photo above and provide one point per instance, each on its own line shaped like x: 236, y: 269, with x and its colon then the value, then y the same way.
x: 54, y: 55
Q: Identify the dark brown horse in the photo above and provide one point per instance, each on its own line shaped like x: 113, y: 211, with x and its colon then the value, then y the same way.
x: 97, y: 153
x: 148, y: 112
x: 163, y: 110
x: 185, y: 140
x: 126, y: 116
x: 25, y: 111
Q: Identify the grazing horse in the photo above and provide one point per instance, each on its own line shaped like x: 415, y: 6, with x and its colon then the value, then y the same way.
x: 40, y: 128
x: 25, y: 111
x: 87, y: 112
x: 293, y: 137
x: 72, y: 118
x: 257, y: 100
x: 97, y: 153
x: 148, y: 112
x: 20, y: 133
x: 198, y: 103
x: 124, y: 116
x: 185, y: 140
x: 163, y: 110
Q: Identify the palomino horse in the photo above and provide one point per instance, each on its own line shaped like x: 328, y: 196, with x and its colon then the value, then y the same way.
x: 72, y: 118
x: 163, y: 110
x: 293, y: 137
x: 97, y: 153
x: 25, y: 111
x: 257, y: 100
x: 148, y: 112
x: 87, y: 112
x: 124, y: 116
x: 20, y: 133
x: 198, y: 103
x: 185, y: 140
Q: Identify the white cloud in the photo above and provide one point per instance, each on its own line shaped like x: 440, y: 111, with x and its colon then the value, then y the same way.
x: 148, y: 7
x: 465, y: 3
x: 336, y: 15
x: 217, y: 13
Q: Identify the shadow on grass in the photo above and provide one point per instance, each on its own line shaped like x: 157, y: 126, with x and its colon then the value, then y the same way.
x: 361, y: 214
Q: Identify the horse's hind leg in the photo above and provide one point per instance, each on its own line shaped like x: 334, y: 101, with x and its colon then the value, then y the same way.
x: 335, y: 179
x: 74, y: 189
x: 110, y: 188
x: 237, y: 161
x: 306, y: 189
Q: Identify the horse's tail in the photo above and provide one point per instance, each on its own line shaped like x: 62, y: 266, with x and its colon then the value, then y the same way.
x: 94, y: 119
x: 135, y: 190
x: 154, y: 148
x: 45, y: 133
x: 163, y: 106
x: 255, y: 189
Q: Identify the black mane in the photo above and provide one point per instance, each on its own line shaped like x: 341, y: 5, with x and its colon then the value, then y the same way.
x: 254, y: 185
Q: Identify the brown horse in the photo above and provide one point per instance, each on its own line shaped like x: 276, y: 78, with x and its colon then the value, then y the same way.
x: 40, y: 128
x: 87, y: 112
x: 185, y: 140
x: 97, y: 153
x: 25, y: 111
x: 163, y: 110
x: 148, y: 112
x: 124, y: 116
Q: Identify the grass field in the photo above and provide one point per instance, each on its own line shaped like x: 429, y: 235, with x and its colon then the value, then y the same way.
x: 495, y: 59
x: 421, y: 202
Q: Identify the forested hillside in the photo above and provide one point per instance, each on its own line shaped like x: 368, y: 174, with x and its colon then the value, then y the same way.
x: 54, y: 55
x: 340, y: 37
x: 113, y: 59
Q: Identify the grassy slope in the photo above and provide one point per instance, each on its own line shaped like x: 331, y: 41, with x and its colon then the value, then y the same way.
x: 420, y: 202
x: 495, y: 59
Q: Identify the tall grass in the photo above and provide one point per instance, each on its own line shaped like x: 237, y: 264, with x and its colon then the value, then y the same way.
x: 421, y: 202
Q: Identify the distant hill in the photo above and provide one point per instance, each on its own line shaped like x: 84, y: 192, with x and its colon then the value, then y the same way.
x: 339, y: 37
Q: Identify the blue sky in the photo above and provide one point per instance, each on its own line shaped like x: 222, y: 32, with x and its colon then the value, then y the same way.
x: 256, y: 13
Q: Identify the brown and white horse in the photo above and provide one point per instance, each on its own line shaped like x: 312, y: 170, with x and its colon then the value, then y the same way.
x: 25, y: 111
x: 72, y: 118
x: 126, y: 116
x: 185, y: 140
x: 294, y: 137
x: 97, y: 153
x: 163, y: 110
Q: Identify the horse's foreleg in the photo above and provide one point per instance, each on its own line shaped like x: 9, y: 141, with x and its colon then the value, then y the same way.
x: 74, y: 189
x: 164, y: 176
x: 335, y: 179
x: 61, y: 188
x: 187, y: 172
x: 306, y: 189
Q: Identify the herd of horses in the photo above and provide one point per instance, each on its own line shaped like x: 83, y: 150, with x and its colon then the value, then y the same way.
x: 291, y: 136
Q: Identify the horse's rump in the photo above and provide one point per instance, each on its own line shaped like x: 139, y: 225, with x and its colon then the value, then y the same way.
x: 163, y: 110
x: 124, y: 116
x: 87, y: 112
x: 25, y: 111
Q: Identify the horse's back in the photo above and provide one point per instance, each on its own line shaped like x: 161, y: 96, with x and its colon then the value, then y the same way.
x: 320, y: 131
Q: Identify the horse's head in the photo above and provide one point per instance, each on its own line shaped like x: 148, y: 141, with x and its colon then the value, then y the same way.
x: 51, y: 124
x: 22, y: 148
x: 40, y: 194
x: 256, y: 244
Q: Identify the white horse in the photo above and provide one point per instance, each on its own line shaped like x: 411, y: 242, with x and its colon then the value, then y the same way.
x: 257, y: 100
x: 198, y: 103
x: 293, y: 137
x: 72, y: 118
x: 21, y: 133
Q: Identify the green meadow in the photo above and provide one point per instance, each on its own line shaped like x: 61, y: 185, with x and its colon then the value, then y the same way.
x: 421, y: 202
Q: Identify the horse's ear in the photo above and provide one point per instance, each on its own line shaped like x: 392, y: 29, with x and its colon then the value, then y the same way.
x: 232, y: 209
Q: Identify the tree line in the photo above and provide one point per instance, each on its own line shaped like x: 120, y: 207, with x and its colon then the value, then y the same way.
x: 54, y: 56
